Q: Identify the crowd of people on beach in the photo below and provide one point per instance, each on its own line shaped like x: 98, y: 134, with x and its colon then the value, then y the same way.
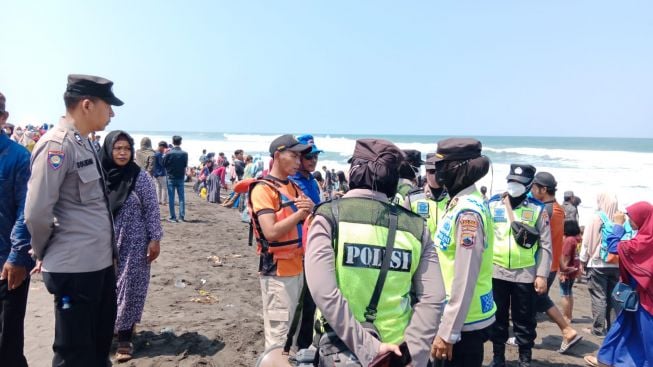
x: 379, y: 266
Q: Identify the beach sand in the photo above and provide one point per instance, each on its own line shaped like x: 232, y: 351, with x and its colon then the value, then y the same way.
x: 215, y: 320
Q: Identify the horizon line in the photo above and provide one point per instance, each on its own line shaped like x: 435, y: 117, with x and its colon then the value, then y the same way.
x: 395, y: 135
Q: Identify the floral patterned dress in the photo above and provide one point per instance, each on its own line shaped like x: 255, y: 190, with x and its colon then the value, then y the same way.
x: 138, y: 222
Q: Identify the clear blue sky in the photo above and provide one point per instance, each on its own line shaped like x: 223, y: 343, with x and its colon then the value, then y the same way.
x: 569, y: 68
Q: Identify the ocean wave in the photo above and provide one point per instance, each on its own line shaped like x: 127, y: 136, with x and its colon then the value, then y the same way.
x: 585, y: 171
x: 574, y: 155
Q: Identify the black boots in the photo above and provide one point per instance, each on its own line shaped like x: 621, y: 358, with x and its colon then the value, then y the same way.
x: 498, y: 361
x: 525, y: 357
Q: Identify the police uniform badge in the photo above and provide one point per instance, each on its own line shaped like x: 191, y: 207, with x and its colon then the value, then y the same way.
x: 423, y: 209
x: 78, y: 138
x: 527, y: 215
x: 452, y: 204
x: 55, y: 159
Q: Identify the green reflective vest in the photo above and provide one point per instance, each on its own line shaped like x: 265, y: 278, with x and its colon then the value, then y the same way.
x: 359, y: 251
x: 482, y: 306
x: 507, y: 253
x: 402, y: 192
x: 429, y: 209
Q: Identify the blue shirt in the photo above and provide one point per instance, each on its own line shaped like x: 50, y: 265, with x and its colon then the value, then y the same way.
x: 159, y: 168
x: 14, y: 174
x: 308, y: 185
x: 175, y: 163
x: 618, y: 231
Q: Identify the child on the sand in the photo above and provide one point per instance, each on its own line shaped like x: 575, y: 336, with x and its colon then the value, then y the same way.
x: 569, y: 264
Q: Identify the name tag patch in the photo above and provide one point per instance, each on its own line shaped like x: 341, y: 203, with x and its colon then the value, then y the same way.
x: 423, y: 209
x: 499, y: 215
x: 84, y: 163
x: 368, y: 256
x: 55, y: 159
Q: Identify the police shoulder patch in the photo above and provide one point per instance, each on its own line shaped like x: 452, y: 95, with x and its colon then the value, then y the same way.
x: 55, y: 159
x: 468, y: 228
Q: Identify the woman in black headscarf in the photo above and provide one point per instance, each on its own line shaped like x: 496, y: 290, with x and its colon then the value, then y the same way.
x: 138, y: 231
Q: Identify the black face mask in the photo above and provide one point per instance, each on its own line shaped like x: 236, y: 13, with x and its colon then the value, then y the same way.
x: 446, y: 173
x: 457, y: 175
x: 438, y: 194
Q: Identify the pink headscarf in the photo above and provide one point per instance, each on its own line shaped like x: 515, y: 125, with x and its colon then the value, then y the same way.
x: 636, y: 255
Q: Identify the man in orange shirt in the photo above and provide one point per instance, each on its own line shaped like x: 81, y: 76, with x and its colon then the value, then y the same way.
x: 278, y: 209
x: 544, y: 189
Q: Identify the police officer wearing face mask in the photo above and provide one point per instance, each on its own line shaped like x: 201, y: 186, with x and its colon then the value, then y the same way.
x: 430, y: 202
x: 522, y: 260
x: 463, y: 241
x: 408, y: 174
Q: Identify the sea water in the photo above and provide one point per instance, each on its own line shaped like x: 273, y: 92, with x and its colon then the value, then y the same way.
x: 586, y: 166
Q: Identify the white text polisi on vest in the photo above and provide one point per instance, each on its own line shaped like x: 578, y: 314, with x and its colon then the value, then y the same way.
x: 368, y: 256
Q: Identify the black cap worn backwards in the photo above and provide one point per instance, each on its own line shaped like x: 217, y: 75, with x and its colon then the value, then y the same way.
x: 456, y: 149
x: 522, y: 173
x: 545, y: 179
x: 94, y: 86
x: 288, y: 142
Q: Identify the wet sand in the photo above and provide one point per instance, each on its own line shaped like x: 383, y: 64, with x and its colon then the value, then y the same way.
x: 215, y: 319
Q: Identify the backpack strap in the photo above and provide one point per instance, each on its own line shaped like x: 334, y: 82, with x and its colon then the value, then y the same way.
x: 370, y: 311
x: 254, y: 223
x: 548, y: 205
x: 604, y: 218
x: 335, y: 211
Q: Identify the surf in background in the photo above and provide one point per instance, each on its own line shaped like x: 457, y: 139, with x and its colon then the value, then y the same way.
x: 586, y: 166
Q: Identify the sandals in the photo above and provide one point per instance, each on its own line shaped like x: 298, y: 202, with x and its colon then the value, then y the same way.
x: 564, y: 347
x: 591, y: 361
x: 124, y: 352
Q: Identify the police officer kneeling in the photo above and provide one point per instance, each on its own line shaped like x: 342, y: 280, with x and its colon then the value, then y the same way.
x: 464, y: 241
x: 347, y: 241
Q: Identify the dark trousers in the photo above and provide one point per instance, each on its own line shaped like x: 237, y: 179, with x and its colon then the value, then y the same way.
x: 517, y: 299
x: 83, y: 331
x: 12, y: 316
x: 305, y: 336
x: 601, y: 283
x: 468, y: 352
